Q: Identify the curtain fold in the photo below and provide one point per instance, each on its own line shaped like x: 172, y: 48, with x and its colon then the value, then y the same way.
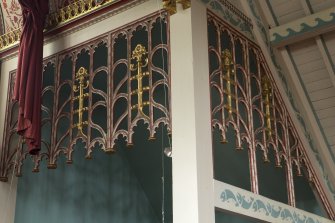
x: 28, y: 84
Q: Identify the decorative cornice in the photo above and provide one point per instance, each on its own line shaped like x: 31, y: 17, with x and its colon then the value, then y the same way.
x: 74, y: 25
x: 10, y: 39
x: 74, y: 11
x: 62, y: 17
x: 230, y: 198
x: 309, y: 25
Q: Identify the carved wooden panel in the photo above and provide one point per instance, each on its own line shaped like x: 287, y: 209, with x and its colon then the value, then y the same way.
x: 245, y: 96
x: 96, y: 93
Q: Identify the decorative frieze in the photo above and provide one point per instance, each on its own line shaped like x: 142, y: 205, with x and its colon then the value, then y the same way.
x: 245, y: 203
x: 62, y: 16
x: 9, y: 39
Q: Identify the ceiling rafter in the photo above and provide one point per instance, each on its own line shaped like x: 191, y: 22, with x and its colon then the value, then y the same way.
x: 321, y: 44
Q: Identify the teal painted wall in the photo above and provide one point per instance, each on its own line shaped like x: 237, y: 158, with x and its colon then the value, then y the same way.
x: 225, y: 217
x: 104, y: 189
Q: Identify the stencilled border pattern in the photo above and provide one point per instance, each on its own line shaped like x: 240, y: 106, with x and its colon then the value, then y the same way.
x: 230, y: 17
x: 230, y: 198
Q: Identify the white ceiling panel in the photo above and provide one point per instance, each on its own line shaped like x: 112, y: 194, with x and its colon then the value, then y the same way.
x: 318, y: 85
x: 325, y: 103
x: 323, y: 93
x: 287, y: 10
x: 319, y: 5
x: 324, y: 113
x: 314, y: 75
x: 315, y: 65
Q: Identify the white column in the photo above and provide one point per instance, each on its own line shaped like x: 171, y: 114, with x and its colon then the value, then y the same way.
x: 7, y: 189
x: 8, y: 200
x: 191, y: 142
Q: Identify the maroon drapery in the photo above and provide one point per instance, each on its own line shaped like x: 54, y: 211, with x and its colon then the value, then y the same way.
x: 28, y: 84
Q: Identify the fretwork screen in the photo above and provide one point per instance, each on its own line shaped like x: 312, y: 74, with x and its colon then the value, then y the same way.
x: 255, y: 144
x: 97, y: 93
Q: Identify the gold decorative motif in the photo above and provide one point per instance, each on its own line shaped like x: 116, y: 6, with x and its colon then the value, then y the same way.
x: 171, y: 5
x: 267, y: 97
x: 73, y: 11
x: 83, y: 83
x: 228, y: 75
x: 64, y: 15
x: 140, y: 56
x: 9, y: 39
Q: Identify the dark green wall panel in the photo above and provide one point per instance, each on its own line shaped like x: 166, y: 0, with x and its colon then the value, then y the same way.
x: 100, y: 190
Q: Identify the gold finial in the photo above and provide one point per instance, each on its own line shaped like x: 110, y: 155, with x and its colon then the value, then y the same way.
x: 83, y: 84
x: 228, y: 73
x: 267, y: 97
x: 140, y: 56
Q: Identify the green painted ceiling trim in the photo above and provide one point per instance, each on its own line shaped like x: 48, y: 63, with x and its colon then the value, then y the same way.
x: 231, y: 198
x: 219, y: 8
x: 282, y: 75
x: 302, y: 26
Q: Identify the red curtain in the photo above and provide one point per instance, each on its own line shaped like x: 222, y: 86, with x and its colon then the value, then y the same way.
x: 28, y: 83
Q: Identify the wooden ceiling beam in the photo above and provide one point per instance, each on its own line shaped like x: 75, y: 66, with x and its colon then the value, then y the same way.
x: 321, y: 45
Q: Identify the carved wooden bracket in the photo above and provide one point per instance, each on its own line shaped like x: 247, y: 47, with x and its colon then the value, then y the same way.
x: 171, y: 5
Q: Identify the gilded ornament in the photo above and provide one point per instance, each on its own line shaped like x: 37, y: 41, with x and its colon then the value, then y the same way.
x: 228, y: 74
x: 83, y: 83
x: 171, y: 5
x: 267, y: 98
x: 141, y: 58
x: 9, y: 39
x: 64, y: 15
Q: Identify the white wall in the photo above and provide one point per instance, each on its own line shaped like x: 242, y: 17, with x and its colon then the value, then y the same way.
x: 8, y: 189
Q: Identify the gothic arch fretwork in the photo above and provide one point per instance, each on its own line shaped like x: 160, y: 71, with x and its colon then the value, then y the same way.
x: 114, y: 96
x: 245, y: 96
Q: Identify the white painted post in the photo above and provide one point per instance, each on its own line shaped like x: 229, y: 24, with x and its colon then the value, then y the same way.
x: 192, y: 149
x: 7, y: 189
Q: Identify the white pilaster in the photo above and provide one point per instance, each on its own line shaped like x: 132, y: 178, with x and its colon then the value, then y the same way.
x: 192, y: 149
x: 7, y: 189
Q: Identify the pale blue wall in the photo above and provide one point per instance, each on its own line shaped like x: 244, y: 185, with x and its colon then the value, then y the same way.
x: 101, y: 190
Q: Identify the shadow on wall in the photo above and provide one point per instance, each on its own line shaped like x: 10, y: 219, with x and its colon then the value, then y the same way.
x: 107, y: 188
x: 225, y: 217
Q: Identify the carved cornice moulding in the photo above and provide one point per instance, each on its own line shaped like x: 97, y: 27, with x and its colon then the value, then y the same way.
x: 231, y: 198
